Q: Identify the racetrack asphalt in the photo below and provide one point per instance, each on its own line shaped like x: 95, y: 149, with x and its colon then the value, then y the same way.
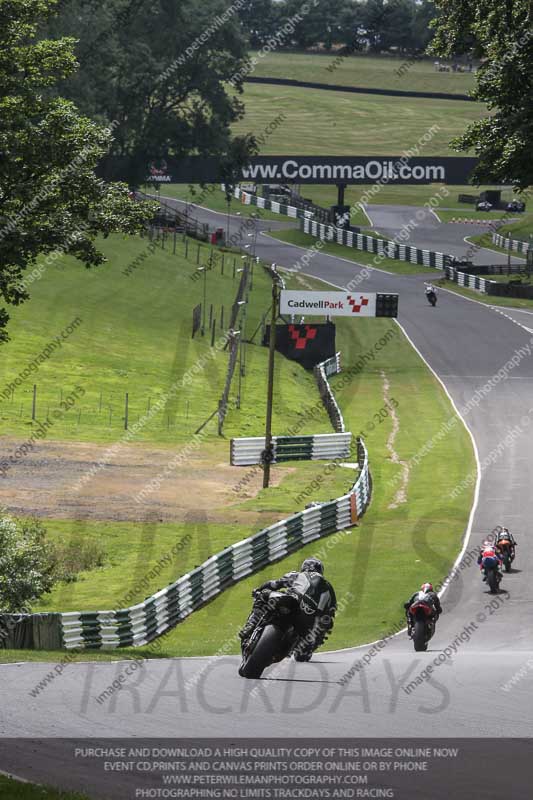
x: 465, y: 343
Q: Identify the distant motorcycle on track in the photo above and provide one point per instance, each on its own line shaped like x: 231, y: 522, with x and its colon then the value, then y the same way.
x: 431, y: 294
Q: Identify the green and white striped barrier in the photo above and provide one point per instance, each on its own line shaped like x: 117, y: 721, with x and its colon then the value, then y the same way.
x: 515, y: 245
x: 142, y: 623
x: 370, y: 244
x: 247, y: 451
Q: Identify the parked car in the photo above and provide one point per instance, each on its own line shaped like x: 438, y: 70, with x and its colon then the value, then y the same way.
x: 516, y: 205
x: 483, y: 205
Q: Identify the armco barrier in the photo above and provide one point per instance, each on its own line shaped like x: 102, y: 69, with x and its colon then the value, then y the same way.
x: 140, y: 624
x: 468, y: 281
x: 332, y: 366
x: 248, y: 451
x: 493, y: 288
x: 515, y: 245
x: 144, y: 622
x: 249, y: 199
x: 381, y: 247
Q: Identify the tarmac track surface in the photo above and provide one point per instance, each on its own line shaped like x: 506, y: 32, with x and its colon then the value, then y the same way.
x: 465, y: 343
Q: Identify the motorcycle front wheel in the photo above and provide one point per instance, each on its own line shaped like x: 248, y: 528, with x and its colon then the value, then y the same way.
x: 263, y: 653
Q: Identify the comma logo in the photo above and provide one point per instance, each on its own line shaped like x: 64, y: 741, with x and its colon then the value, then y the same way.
x: 356, y: 307
x: 302, y: 337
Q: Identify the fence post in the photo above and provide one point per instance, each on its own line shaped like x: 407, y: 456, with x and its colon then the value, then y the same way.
x: 198, y: 255
x: 174, y: 247
x: 222, y: 265
x: 222, y: 318
x: 233, y: 269
x: 213, y: 332
x: 186, y: 248
x: 34, y: 401
x: 126, y: 410
x: 210, y: 314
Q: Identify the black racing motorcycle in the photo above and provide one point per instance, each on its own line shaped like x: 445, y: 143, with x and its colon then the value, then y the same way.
x: 432, y: 298
x: 423, y: 624
x: 508, y: 553
x: 274, y: 636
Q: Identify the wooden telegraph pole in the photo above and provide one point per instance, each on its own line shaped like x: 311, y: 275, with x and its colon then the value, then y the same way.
x: 267, y: 454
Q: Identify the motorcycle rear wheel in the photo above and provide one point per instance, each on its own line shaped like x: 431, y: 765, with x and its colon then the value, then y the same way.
x: 261, y: 656
x: 492, y: 580
x: 419, y: 636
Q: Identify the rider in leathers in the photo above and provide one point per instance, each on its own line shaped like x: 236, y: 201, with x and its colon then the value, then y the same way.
x: 317, y: 606
x: 427, y: 594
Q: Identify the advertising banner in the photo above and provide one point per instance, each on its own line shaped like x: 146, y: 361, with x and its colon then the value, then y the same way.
x: 349, y: 169
x: 331, y: 304
x: 307, y: 344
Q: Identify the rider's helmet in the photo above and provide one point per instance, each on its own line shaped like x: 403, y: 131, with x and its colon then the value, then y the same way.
x: 312, y: 565
x: 427, y: 587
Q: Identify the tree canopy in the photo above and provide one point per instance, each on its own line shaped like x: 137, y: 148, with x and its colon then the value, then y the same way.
x: 158, y: 72
x: 50, y: 196
x: 500, y: 33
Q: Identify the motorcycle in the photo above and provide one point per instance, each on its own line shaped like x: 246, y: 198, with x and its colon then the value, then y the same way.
x: 274, y: 636
x: 432, y: 298
x: 507, y: 553
x: 423, y: 624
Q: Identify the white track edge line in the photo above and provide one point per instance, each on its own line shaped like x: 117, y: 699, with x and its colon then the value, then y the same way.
x: 478, y: 480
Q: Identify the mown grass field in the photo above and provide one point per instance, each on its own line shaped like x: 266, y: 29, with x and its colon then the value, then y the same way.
x: 318, y: 122
x: 364, y: 71
x: 15, y: 790
x: 300, y: 239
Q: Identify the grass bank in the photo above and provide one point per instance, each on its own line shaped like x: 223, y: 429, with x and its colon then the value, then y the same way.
x: 384, y: 72
x: 134, y: 337
x: 345, y: 123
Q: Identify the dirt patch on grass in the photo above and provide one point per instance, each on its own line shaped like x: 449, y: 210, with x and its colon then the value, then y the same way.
x: 46, y: 483
x: 401, y: 494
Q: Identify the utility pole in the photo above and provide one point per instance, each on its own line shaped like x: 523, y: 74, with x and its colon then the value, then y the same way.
x: 267, y: 455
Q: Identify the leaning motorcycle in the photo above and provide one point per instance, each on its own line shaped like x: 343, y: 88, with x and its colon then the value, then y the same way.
x: 274, y: 636
x: 432, y: 298
x: 507, y: 551
x: 423, y: 624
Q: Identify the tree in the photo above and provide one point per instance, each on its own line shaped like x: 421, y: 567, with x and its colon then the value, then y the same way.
x: 27, y: 563
x: 259, y: 20
x: 500, y: 33
x: 50, y: 197
x: 158, y: 71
